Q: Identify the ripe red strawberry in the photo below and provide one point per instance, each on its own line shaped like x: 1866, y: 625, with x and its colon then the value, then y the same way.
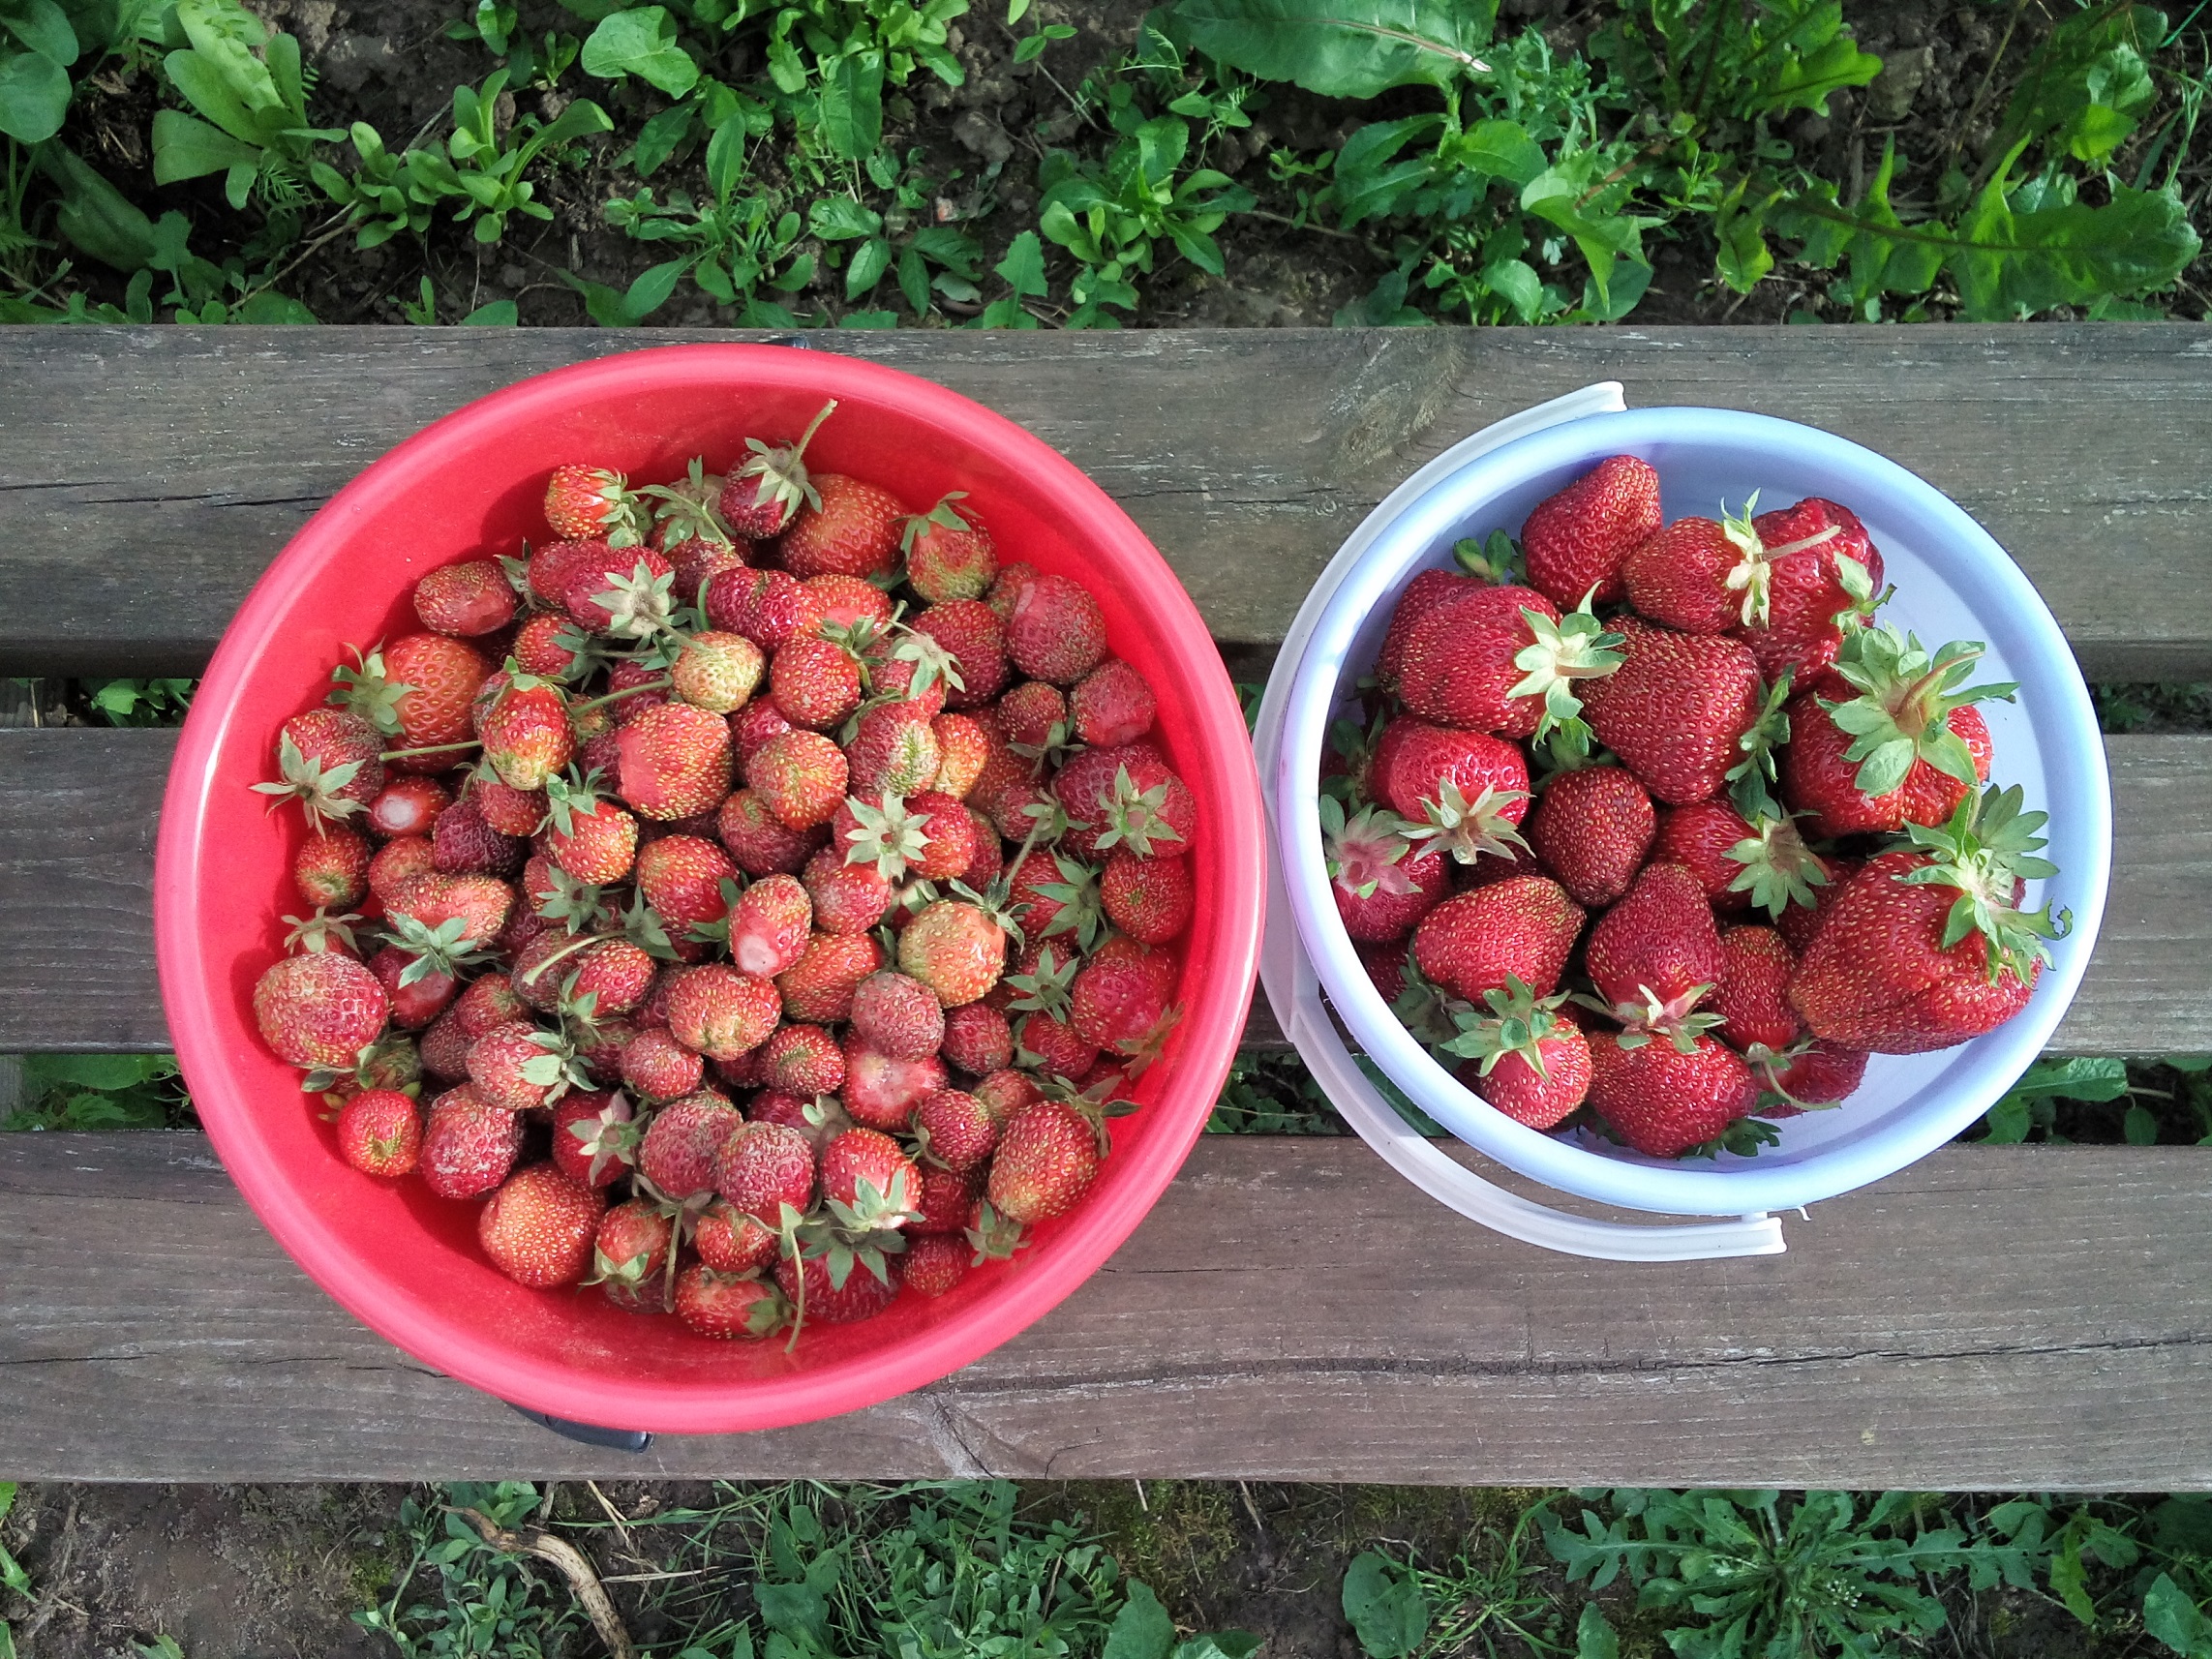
x: 893, y: 751
x: 977, y: 1040
x: 422, y: 999
x: 489, y: 1000
x: 466, y: 600
x: 682, y: 1144
x: 729, y: 1240
x: 1524, y: 927
x: 588, y: 835
x: 717, y: 670
x: 1677, y: 710
x: 1031, y: 711
x: 594, y: 1137
x: 1149, y: 899
x: 659, y: 1067
x: 1702, y: 576
x: 516, y: 812
x: 750, y: 729
x: 1125, y: 798
x: 1807, y: 1076
x: 1656, y: 953
x: 955, y: 1128
x: 769, y: 925
x: 881, y: 1092
x: 1592, y: 828
x: 399, y: 863
x: 1700, y: 837
x: 935, y: 1266
x: 759, y: 841
x: 760, y: 1167
x: 1385, y: 966
x: 480, y: 903
x: 949, y: 554
x: 846, y: 527
x: 1926, y: 948
x: 680, y: 878
x: 850, y: 606
x: 327, y: 759
x: 1427, y: 589
x: 972, y: 634
x: 380, y: 1132
x: 1662, y: 1099
x: 544, y: 646
x: 1459, y: 667
x: 674, y: 762
x: 1055, y: 630
x: 504, y: 1065
x: 1005, y: 1092
x: 803, y: 1060
x: 468, y: 1145
x: 815, y: 682
x: 538, y: 1226
x: 591, y: 501
x: 898, y: 1017
x: 1825, y: 576
x: 1463, y: 790
x: 1526, y: 1057
x: 722, y: 1012
x: 1798, y: 922
x: 1903, y: 744
x: 767, y: 607
x: 947, y: 1195
x: 818, y: 988
x: 553, y: 565
x: 947, y: 840
x: 1576, y: 539
x: 463, y: 843
x: 331, y: 867
x: 727, y: 1307
x: 868, y: 1172
x: 847, y: 898
x: 628, y: 591
x: 1751, y: 995
x: 1119, y: 1004
x: 801, y: 777
x: 1383, y: 883
x: 444, y: 1050
x: 321, y: 1009
x: 408, y: 806
x: 1047, y: 1043
x: 811, y: 1284
x: 1047, y: 1157
x: 629, y: 1256
x: 523, y: 724
x: 954, y: 948
x: 1111, y: 706
x: 764, y: 491
x: 442, y: 676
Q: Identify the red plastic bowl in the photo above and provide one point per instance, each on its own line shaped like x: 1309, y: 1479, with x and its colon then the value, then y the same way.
x: 405, y: 1262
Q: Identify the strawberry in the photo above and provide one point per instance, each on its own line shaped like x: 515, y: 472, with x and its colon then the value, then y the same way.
x: 949, y: 554
x: 1700, y: 837
x: 716, y: 671
x: 1656, y: 953
x: 594, y: 1137
x: 463, y: 843
x: 1907, y: 747
x: 977, y: 1040
x: 818, y: 988
x: 767, y: 607
x: 489, y: 1000
x: 847, y: 898
x: 1664, y: 1099
x: 974, y: 637
x: 1111, y: 706
x: 898, y: 1017
x: 893, y: 750
x: 539, y: 1228
x: 591, y: 501
x: 955, y: 1128
x: 466, y: 600
x: 1524, y: 926
x: 1125, y: 798
x: 1678, y: 711
x: 1592, y: 828
x: 408, y: 806
x: 1007, y: 587
x: 1045, y: 1043
x: 331, y: 867
x: 816, y: 1289
x: 436, y: 680
x: 697, y: 560
x: 1149, y: 899
x: 730, y: 1307
x: 319, y: 1010
x: 399, y: 863
x: 769, y: 925
x: 1700, y: 575
x: 415, y: 1002
x: 954, y: 948
x: 1825, y: 576
x: 947, y: 1195
x: 1751, y: 992
x: 507, y: 1066
x: 1799, y: 922
x: 935, y: 1266
x: 1005, y: 1092
x: 468, y: 1145
x: 550, y: 566
x: 750, y: 729
x: 1035, y: 715
x: 380, y: 1132
x: 850, y: 608
x: 846, y: 527
x: 1460, y: 668
x: 546, y: 645
x: 881, y: 1092
x: 803, y: 1060
x: 516, y: 812
x: 1119, y: 1004
x: 659, y: 1067
x: 770, y: 484
x: 815, y: 682
x: 729, y: 1240
x: 444, y: 1050
x: 963, y: 748
x: 1575, y: 540
x: 759, y: 841
x: 1055, y: 630
x: 682, y: 1148
x: 1526, y: 1057
x: 1462, y: 790
x: 522, y: 721
x: 948, y: 838
x: 628, y: 591
x: 586, y: 835
x: 630, y: 1256
x: 328, y: 761
x: 761, y: 1168
x: 1926, y: 946
x: 866, y: 1170
x: 1385, y: 966
x: 801, y: 777
x: 1047, y: 1157
x: 1427, y: 589
x: 674, y: 762
x: 480, y: 904
x: 722, y: 1012
x: 681, y: 878
x: 1807, y: 1076
x: 1382, y: 883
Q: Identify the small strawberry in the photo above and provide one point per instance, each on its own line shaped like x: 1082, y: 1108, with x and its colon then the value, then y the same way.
x: 1926, y: 946
x: 1149, y: 899
x: 893, y: 750
x: 1047, y: 1157
x: 948, y: 1197
x: 408, y: 806
x: 328, y: 761
x: 764, y: 1167
x: 975, y: 638
x: 801, y: 777
x: 963, y: 748
x: 548, y: 646
x: 760, y: 842
x: 468, y: 1145
x: 1825, y: 579
x: 593, y: 502
x: 1576, y: 539
x: 630, y: 1252
x: 1524, y: 926
x: 977, y: 1040
x: 321, y: 1008
x: 681, y: 1150
x: 506, y: 1066
x: 1700, y: 837
x: 674, y: 762
x: 751, y: 728
x: 1807, y: 1076
x: 803, y: 1060
x: 1055, y: 630
x: 586, y: 835
x: 1049, y: 1044
x: 444, y: 1050
x: 729, y: 1240
x: 845, y: 527
x: 898, y: 1017
x: 850, y: 608
x: 955, y: 1128
x: 1592, y: 828
x: 868, y: 1173
x: 722, y: 1012
x: 380, y: 1132
x: 1751, y: 992
x: 1526, y: 1057
x: 1111, y: 706
x: 767, y: 607
x: 1118, y: 1002
x: 1700, y: 575
x: 1005, y: 1092
x: 1427, y: 589
x: 524, y: 723
x: 1655, y: 955
x: 818, y: 988
x: 881, y: 1092
x: 954, y: 948
x: 550, y: 566
x: 489, y: 1000
x: 464, y: 843
x: 766, y: 489
x: 716, y: 671
x: 770, y: 926
x: 1664, y: 1099
x: 515, y: 812
x: 838, y: 1287
x: 1381, y: 881
x: 1678, y: 711
x: 415, y: 1001
x: 1035, y: 715
x: 595, y: 1137
x: 659, y: 1067
x: 436, y: 680
x: 398, y: 864
x: 331, y: 867
x: 681, y: 878
x: 816, y: 683
x: 1125, y: 798
x: 935, y: 1266
x: 466, y: 600
x: 538, y: 1226
x: 949, y: 554
x: 847, y: 898
x: 730, y: 1307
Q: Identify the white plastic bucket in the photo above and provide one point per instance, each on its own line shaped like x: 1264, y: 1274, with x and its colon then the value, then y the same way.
x: 1953, y: 581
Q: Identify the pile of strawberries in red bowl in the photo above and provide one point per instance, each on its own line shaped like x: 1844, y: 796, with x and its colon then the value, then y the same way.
x: 1659, y: 829
x: 741, y: 844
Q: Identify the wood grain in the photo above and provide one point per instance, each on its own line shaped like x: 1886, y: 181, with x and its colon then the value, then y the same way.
x: 159, y: 469
x: 77, y: 810
x: 1992, y: 1318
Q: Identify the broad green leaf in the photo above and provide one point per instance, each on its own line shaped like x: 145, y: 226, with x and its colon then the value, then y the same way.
x: 1593, y: 1637
x: 188, y: 147
x: 1501, y: 149
x: 2140, y: 1126
x: 110, y: 1072
x: 43, y: 27
x: 496, y: 314
x: 223, y: 36
x: 842, y: 219
x: 851, y: 104
x: 33, y: 96
x: 641, y: 43
x: 726, y: 156
x: 1343, y: 48
x: 1024, y: 266
x: 1387, y: 1610
x: 658, y: 139
x: 2068, y: 254
x: 2170, y: 1616
x: 582, y: 116
x: 1142, y: 1629
x: 210, y: 93
x: 1219, y: 1644
x: 869, y: 260
x: 1804, y: 83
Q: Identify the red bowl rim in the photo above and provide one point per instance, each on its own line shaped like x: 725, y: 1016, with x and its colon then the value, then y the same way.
x: 1213, y: 1020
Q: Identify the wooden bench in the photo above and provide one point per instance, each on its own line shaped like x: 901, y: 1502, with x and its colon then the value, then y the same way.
x: 1992, y: 1318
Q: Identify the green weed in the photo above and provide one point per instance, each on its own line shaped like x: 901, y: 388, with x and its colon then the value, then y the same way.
x: 100, y: 1091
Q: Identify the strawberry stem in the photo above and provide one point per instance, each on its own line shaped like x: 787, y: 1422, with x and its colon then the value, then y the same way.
x: 429, y: 749
x: 661, y: 684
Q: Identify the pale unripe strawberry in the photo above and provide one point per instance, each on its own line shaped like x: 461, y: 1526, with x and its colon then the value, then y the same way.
x: 717, y: 670
x: 722, y: 1012
x: 681, y: 1144
x: 468, y: 1145
x: 769, y: 925
x: 801, y: 777
x: 380, y: 1132
x: 582, y: 501
x: 321, y: 1008
x: 893, y: 751
x: 466, y: 600
x: 538, y: 1226
x: 963, y: 750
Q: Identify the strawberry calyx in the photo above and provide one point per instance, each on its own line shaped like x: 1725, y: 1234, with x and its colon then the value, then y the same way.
x: 1655, y: 1017
x: 445, y: 949
x: 557, y: 1069
x: 1424, y: 1008
x: 1140, y: 1053
x: 1987, y: 845
x: 716, y: 931
x: 568, y: 794
x: 1518, y: 1023
x: 994, y: 901
x: 889, y: 836
x: 611, y: 1135
x: 1576, y: 646
x: 875, y: 1209
x: 687, y: 508
x: 1363, y: 854
x: 1779, y: 869
x: 932, y: 661
x: 1903, y: 711
x: 1082, y: 907
x: 942, y: 515
x: 1771, y: 1064
x: 389, y: 1063
x: 1095, y: 1104
x: 1046, y: 990
x: 1750, y: 779
x: 323, y: 932
x: 1752, y: 574
x: 1497, y: 559
x: 782, y: 470
x: 1356, y: 748
x: 1133, y: 816
x: 365, y: 690
x: 314, y: 785
x: 639, y: 606
x: 1471, y: 828
x: 643, y: 927
x: 1742, y: 1138
x: 575, y: 904
x: 994, y: 1237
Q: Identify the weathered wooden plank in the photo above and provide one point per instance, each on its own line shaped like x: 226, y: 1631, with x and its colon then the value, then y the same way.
x: 1993, y: 1317
x: 77, y: 831
x: 159, y: 469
